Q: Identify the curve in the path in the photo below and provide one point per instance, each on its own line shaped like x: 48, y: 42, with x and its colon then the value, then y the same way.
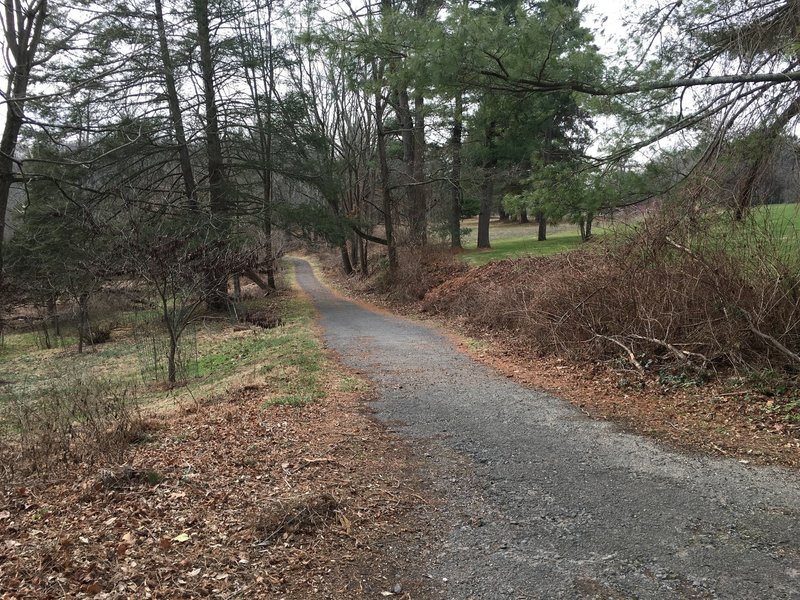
x: 547, y: 503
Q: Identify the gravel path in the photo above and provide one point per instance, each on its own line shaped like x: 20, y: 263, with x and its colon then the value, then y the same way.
x: 544, y: 502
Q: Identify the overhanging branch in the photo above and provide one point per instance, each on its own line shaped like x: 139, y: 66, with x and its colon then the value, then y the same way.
x: 535, y: 85
x: 369, y: 237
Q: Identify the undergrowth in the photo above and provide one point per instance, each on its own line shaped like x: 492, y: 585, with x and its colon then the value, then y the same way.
x: 683, y: 299
x: 59, y: 407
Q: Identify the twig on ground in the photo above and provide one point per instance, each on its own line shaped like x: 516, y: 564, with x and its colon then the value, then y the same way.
x: 628, y: 351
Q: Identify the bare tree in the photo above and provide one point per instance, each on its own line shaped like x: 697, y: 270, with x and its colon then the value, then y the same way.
x: 23, y: 24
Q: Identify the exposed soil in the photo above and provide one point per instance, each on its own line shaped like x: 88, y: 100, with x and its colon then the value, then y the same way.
x: 229, y: 499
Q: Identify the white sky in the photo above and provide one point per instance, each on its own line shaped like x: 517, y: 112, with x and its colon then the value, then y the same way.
x: 608, y: 32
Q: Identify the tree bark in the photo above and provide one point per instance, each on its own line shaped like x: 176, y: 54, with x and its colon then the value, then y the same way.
x: 386, y: 194
x: 487, y: 189
x: 355, y: 248
x: 187, y: 173
x: 364, y: 258
x: 253, y: 276
x: 83, y: 321
x: 419, y: 208
x: 237, y: 287
x: 172, y: 362
x: 542, y: 220
x: 267, y: 143
x: 347, y: 266
x: 218, y: 200
x: 23, y: 36
x: 455, y: 172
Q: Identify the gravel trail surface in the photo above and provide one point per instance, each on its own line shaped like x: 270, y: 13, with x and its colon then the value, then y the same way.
x: 543, y: 502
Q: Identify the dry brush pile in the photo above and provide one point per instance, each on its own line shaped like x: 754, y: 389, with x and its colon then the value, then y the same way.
x: 703, y: 294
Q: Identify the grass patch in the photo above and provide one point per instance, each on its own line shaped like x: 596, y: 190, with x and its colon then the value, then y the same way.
x: 349, y: 384
x: 477, y: 345
x: 516, y: 247
x: 514, y: 240
x: 56, y: 392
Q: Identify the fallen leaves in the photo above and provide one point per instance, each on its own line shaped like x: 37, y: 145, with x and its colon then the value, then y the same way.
x: 326, y: 474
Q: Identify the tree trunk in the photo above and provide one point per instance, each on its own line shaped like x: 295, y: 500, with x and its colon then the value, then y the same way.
x: 83, y: 321
x: 253, y: 276
x: 23, y: 33
x: 455, y: 173
x: 542, y: 220
x: 487, y: 195
x: 355, y: 248
x: 46, y: 333
x: 347, y: 266
x: 267, y: 141
x: 386, y: 194
x: 7, y: 176
x: 52, y: 315
x: 523, y: 216
x: 589, y: 220
x: 364, y: 258
x: 172, y: 366
x: 487, y: 190
x: 419, y: 208
x: 237, y: 287
x: 218, y: 199
x: 176, y: 116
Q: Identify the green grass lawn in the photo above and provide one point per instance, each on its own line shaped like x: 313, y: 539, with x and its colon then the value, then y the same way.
x: 527, y: 246
x: 513, y: 240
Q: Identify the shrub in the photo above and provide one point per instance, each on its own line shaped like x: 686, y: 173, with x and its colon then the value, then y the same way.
x: 420, y: 270
x: 698, y: 293
x: 85, y: 421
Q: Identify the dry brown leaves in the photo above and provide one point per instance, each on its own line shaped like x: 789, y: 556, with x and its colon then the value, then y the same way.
x: 227, y: 499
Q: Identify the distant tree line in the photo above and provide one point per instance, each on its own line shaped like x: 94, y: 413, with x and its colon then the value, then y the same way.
x: 381, y: 124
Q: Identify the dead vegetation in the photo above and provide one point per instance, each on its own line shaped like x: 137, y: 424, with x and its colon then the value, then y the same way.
x: 87, y: 422
x: 225, y: 499
x: 420, y: 270
x: 664, y: 298
x: 686, y: 327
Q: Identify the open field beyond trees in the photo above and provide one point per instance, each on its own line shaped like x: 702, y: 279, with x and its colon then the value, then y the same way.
x: 513, y: 240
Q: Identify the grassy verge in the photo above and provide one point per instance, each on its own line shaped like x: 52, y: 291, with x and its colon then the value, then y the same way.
x: 46, y: 395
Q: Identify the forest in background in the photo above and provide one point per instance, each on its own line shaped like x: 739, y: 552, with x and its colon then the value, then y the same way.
x: 172, y: 150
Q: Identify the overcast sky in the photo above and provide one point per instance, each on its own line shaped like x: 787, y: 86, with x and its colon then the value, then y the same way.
x: 608, y: 32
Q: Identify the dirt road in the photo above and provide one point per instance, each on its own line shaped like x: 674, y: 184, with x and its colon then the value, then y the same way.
x: 543, y: 502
